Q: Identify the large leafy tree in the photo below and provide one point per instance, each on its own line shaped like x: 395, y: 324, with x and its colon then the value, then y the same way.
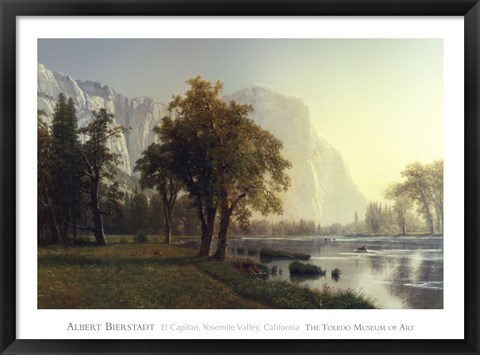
x: 155, y: 167
x: 137, y: 211
x: 189, y: 140
x: 226, y: 162
x: 251, y: 170
x: 422, y: 187
x: 185, y: 215
x: 419, y: 186
x: 99, y: 168
x: 402, y: 203
x: 435, y: 191
x: 424, y: 183
x: 155, y: 217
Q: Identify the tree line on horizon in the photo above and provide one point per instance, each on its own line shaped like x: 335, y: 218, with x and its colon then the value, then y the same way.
x: 207, y: 150
x: 418, y: 197
x: 416, y: 207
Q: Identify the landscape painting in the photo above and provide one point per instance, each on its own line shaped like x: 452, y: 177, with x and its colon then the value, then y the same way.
x: 240, y: 174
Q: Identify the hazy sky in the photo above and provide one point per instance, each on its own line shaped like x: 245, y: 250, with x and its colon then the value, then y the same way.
x: 379, y: 102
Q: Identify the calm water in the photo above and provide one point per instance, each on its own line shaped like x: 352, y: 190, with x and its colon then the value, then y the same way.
x: 398, y: 272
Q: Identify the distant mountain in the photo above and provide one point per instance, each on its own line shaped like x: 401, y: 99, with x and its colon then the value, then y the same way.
x: 141, y: 114
x: 322, y: 188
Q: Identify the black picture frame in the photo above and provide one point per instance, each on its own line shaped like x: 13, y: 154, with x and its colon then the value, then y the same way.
x: 10, y: 10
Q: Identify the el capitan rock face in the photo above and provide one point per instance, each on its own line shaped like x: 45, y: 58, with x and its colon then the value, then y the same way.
x: 321, y: 190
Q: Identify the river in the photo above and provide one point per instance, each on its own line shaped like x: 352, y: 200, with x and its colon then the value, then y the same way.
x: 398, y: 272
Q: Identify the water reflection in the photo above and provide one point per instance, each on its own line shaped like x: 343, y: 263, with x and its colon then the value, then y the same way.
x: 377, y: 265
x: 423, y: 288
x: 397, y: 272
x: 301, y: 279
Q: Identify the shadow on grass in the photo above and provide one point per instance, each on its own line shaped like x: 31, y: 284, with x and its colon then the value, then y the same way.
x: 61, y: 260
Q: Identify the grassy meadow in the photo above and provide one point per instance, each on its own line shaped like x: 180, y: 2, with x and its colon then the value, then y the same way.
x: 152, y: 275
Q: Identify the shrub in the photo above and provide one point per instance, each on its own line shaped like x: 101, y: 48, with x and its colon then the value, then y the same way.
x: 82, y: 241
x: 300, y: 268
x: 263, y: 269
x: 336, y: 273
x: 274, y: 270
x: 240, y: 251
x: 252, y: 251
x: 141, y: 236
x: 270, y: 253
x: 281, y: 254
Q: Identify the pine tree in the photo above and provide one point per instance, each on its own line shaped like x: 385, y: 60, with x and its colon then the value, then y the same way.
x: 66, y: 166
x: 47, y: 219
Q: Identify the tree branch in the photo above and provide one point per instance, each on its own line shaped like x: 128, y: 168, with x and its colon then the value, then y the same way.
x: 85, y: 159
x: 105, y: 212
x: 236, y: 201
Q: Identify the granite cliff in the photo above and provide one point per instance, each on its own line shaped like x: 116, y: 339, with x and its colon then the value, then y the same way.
x: 322, y: 188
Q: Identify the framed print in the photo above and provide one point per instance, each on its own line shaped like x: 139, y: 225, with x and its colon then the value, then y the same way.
x: 227, y: 177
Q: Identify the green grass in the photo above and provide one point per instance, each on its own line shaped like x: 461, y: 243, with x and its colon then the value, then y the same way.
x: 282, y: 294
x: 140, y: 237
x: 127, y: 275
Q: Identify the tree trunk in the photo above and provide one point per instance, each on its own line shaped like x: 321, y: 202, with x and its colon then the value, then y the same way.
x: 53, y: 227
x: 167, y: 213
x: 428, y: 214
x: 208, y: 225
x: 97, y: 217
x: 75, y: 230
x: 439, y: 220
x: 429, y: 218
x: 168, y: 230
x: 221, y: 252
x: 402, y: 220
x: 64, y: 230
x: 98, y: 227
x: 226, y: 211
x: 52, y: 219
